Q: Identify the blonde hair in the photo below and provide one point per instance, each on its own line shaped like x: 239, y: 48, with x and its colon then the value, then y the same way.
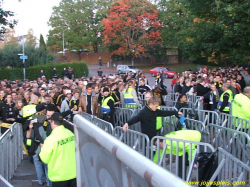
x: 154, y: 100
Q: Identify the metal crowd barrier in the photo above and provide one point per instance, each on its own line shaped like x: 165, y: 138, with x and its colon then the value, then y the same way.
x: 206, y: 116
x: 11, y: 150
x: 130, y: 106
x: 231, y: 170
x: 89, y: 117
x: 134, y: 139
x: 170, y: 97
x: 232, y: 122
x: 4, y: 182
x: 167, y: 158
x: 102, y: 160
x: 122, y: 115
x: 104, y: 125
x: 235, y: 142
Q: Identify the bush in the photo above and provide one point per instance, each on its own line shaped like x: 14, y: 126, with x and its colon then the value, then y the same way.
x: 33, y: 72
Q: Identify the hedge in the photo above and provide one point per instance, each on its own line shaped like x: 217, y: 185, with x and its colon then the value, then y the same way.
x: 32, y: 73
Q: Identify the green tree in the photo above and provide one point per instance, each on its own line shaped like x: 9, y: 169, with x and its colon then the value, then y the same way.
x: 79, y: 23
x: 30, y: 38
x: 42, y: 42
x: 4, y: 22
x: 220, y: 33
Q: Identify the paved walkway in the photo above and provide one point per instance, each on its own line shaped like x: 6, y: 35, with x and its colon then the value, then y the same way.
x: 25, y: 175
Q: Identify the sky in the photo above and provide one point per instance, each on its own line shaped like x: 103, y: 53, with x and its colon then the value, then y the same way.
x: 33, y: 14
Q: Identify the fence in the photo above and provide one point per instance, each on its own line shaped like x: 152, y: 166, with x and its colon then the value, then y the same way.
x: 104, y: 125
x: 4, y: 182
x: 235, y: 142
x: 122, y: 115
x: 205, y: 116
x: 87, y: 116
x: 134, y: 139
x: 164, y: 155
x: 11, y: 151
x: 102, y: 160
x: 130, y: 106
x: 230, y: 170
x: 232, y: 122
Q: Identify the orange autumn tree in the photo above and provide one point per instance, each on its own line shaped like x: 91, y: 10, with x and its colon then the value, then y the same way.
x: 132, y: 29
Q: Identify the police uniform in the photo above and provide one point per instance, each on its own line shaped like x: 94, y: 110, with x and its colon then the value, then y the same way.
x: 58, y: 151
x: 108, y: 108
x: 128, y: 98
x: 240, y: 108
x: 191, y: 135
x: 225, y: 101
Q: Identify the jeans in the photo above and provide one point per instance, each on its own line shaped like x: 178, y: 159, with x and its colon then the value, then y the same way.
x: 41, y: 171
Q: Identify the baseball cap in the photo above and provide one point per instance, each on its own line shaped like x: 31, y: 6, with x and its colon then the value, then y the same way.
x: 105, y: 89
x: 40, y: 107
x: 56, y: 117
x: 68, y: 92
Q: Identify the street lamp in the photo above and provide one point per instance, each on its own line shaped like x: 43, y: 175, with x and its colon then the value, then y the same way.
x: 63, y: 44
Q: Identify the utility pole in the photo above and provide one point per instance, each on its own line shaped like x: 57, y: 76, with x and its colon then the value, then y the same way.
x: 23, y: 61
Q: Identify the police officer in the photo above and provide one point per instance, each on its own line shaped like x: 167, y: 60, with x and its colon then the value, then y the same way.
x: 129, y: 95
x: 58, y: 151
x: 226, y: 99
x: 108, y: 106
x: 241, y: 105
x: 191, y: 135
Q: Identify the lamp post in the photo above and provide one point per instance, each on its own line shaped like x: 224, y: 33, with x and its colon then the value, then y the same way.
x: 63, y: 44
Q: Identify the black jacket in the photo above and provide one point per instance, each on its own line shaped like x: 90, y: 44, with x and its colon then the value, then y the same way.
x: 201, y: 90
x: 147, y: 117
x: 185, y: 89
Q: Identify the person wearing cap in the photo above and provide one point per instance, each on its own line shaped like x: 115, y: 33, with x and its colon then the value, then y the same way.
x: 226, y: 99
x: 65, y: 104
x: 58, y: 151
x: 108, y: 106
x: 36, y: 134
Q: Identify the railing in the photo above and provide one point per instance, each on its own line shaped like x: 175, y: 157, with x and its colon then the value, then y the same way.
x: 134, y: 139
x: 102, y: 160
x: 169, y: 157
x: 232, y: 122
x: 4, y: 182
x: 231, y: 170
x: 235, y: 142
x: 206, y: 116
x: 11, y: 151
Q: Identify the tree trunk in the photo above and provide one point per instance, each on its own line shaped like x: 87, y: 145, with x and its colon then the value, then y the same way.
x: 95, y: 47
x: 79, y: 55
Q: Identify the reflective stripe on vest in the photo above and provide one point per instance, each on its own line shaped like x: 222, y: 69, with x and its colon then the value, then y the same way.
x: 128, y: 96
x: 29, y: 110
x: 105, y: 107
x: 230, y: 99
x: 158, y: 121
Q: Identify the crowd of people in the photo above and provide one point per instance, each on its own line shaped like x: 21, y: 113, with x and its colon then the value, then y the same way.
x: 40, y: 105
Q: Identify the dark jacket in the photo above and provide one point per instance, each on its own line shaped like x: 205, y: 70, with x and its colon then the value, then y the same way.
x: 54, y: 74
x: 212, y: 99
x: 147, y: 117
x: 180, y: 105
x: 7, y: 111
x: 201, y: 90
x: 185, y: 89
x: 178, y: 87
